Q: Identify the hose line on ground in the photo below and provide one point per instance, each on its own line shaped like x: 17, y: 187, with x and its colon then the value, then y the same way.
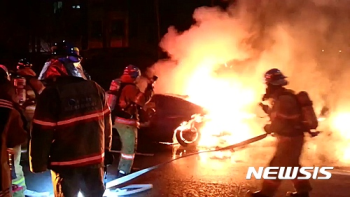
x: 134, y: 175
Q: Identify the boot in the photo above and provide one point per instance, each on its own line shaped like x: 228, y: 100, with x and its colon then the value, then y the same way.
x: 296, y: 194
x: 120, y: 174
x: 256, y: 194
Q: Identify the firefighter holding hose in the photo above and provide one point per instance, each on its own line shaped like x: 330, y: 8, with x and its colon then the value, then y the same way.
x: 126, y: 99
x: 291, y: 116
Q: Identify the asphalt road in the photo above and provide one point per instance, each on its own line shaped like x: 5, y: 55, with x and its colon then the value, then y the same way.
x: 208, y: 174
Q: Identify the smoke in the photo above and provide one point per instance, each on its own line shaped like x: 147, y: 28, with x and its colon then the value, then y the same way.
x: 307, y: 39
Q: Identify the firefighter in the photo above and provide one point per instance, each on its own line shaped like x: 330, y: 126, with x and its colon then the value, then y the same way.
x: 27, y: 88
x: 129, y: 99
x: 70, y: 53
x: 72, y: 130
x: 33, y: 86
x: 288, y: 128
x: 6, y: 85
x: 13, y: 134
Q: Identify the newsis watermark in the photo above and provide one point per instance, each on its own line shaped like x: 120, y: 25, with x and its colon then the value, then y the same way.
x: 290, y: 173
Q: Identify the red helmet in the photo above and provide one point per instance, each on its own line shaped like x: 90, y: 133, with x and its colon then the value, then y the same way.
x: 132, y: 71
x: 275, y: 77
x: 23, y: 63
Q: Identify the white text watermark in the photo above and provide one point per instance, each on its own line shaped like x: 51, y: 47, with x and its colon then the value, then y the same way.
x: 290, y: 173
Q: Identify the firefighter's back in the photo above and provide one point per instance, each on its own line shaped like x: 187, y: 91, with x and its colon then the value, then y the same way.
x: 79, y: 136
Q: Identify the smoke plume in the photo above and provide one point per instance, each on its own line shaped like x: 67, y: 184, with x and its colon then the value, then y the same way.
x: 307, y: 39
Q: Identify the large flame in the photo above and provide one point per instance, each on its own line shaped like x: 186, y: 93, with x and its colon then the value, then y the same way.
x: 228, y: 102
x: 300, y: 37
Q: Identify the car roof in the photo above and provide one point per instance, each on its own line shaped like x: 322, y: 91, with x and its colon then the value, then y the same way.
x: 185, y: 97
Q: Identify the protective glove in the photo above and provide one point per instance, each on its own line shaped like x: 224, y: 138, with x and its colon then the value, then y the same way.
x: 109, y: 158
x: 151, y: 82
x: 265, y: 108
x: 150, y: 86
x: 267, y: 128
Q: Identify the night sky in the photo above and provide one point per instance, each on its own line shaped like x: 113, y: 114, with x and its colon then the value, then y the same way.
x: 21, y: 26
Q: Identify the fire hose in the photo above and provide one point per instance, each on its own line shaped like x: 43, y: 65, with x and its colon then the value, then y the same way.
x: 144, y: 187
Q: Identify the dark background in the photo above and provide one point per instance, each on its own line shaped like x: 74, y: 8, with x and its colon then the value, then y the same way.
x: 110, y: 33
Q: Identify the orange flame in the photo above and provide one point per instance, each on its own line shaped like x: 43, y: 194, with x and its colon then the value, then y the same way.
x: 292, y: 44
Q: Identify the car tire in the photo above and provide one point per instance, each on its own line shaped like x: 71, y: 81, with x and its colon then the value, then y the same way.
x: 187, y: 142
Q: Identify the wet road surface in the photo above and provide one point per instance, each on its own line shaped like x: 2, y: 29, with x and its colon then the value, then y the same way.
x: 201, y: 176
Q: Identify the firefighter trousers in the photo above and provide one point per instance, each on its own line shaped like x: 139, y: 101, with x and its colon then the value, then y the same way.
x: 128, y: 137
x: 287, y: 154
x: 18, y: 184
x: 87, y: 180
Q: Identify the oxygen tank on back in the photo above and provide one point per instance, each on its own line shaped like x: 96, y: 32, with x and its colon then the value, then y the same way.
x: 308, y: 113
x: 112, y: 93
x: 20, y: 85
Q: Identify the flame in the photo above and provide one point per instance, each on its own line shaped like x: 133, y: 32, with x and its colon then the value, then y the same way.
x: 230, y: 119
x: 340, y: 123
x: 241, y: 41
x: 229, y: 103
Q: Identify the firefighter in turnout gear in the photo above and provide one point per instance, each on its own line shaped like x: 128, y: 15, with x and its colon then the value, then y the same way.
x: 32, y: 85
x: 72, y: 131
x: 288, y: 127
x: 28, y: 87
x: 13, y: 134
x: 129, y: 99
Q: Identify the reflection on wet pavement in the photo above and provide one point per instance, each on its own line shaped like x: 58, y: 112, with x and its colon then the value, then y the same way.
x: 206, y: 174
